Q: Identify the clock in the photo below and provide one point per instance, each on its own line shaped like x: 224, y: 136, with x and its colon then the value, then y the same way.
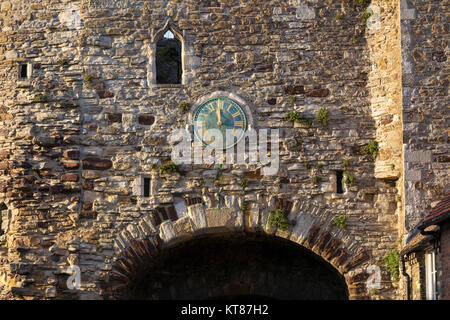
x: 222, y: 114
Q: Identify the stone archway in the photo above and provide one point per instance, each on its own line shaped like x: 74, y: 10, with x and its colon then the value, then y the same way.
x: 145, y: 244
x: 235, y: 266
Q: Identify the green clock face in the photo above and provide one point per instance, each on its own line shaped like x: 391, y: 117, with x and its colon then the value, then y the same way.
x: 222, y: 114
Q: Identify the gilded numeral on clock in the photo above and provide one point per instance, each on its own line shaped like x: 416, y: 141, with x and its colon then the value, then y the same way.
x: 237, y: 114
x: 239, y: 124
x: 210, y: 107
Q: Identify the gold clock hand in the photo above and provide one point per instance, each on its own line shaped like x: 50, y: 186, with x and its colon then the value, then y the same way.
x: 219, y: 115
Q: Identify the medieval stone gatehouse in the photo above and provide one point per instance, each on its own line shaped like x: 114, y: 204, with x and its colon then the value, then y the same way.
x: 92, y: 90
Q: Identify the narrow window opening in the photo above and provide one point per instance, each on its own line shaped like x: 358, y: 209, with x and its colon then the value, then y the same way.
x: 24, y: 71
x: 339, y: 178
x: 168, y: 60
x: 146, y: 187
x: 3, y: 207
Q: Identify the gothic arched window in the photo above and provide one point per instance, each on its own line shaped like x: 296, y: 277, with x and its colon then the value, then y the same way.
x: 168, y: 60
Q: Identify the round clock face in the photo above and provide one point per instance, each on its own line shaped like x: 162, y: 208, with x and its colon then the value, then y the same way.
x: 223, y: 114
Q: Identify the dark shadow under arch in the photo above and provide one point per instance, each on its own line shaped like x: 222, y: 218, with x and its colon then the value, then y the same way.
x: 237, y: 266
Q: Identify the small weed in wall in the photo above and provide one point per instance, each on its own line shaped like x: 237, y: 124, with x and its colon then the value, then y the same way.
x: 278, y: 219
x: 392, y: 263
x: 363, y: 2
x: 319, y: 166
x: 340, y: 222
x: 244, y: 207
x: 348, y: 179
x: 370, y: 149
x: 168, y: 167
x: 295, y: 117
x: 40, y: 97
x: 87, y: 77
x: 244, y: 183
x: 323, y: 116
x: 184, y: 107
x: 366, y: 16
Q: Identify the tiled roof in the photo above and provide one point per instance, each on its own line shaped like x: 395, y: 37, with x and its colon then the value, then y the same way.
x: 438, y: 214
x: 417, y: 241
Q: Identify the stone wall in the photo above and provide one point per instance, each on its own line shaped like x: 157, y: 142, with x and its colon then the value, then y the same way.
x: 425, y: 99
x: 78, y: 137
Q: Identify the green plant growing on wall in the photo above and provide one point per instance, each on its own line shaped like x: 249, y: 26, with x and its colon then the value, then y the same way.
x: 319, y: 166
x: 392, y: 166
x: 40, y: 97
x: 374, y: 292
x: 348, y: 179
x: 278, y: 219
x: 244, y: 207
x: 323, y: 116
x: 184, y: 107
x: 366, y: 16
x: 89, y: 77
x: 292, y: 116
x: 168, y: 167
x: 338, y: 16
x: 244, y: 183
x: 219, y: 173
x: 370, y: 149
x: 201, y: 183
x: 363, y: 2
x: 297, y: 118
x: 346, y: 163
x: 307, y: 165
x: 340, y: 222
x: 392, y: 263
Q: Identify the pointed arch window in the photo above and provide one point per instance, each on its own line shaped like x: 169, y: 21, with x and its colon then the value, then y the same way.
x: 169, y: 69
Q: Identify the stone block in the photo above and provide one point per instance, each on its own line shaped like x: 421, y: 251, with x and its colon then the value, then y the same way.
x: 413, y: 175
x: 418, y: 156
x: 96, y: 164
x: 198, y: 216
x: 220, y: 218
x: 305, y: 13
x: 166, y: 231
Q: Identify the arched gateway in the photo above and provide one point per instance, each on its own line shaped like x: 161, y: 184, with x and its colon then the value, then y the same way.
x: 222, y: 253
x: 221, y: 266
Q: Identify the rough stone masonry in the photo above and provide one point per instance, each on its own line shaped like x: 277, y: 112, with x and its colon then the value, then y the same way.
x: 88, y: 124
